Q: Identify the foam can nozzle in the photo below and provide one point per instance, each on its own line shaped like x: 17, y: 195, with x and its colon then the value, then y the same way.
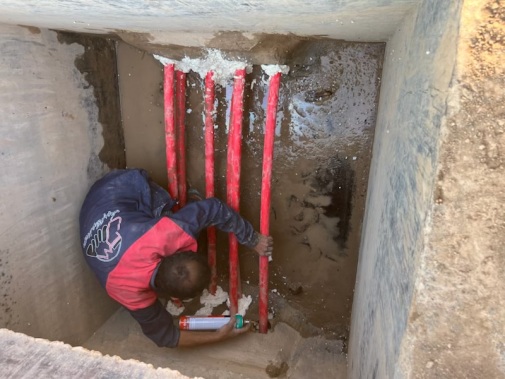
x: 208, y: 322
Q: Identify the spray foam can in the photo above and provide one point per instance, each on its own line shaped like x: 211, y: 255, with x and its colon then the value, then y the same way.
x: 208, y: 322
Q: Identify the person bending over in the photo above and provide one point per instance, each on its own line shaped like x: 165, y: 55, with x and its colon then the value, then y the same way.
x: 139, y: 249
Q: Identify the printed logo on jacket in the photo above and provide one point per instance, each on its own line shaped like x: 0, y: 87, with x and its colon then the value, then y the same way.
x: 103, y: 241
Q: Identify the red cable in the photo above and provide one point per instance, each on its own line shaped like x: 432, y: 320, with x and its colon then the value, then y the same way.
x: 268, y: 152
x: 209, y: 174
x: 170, y: 134
x: 180, y: 96
x: 233, y: 178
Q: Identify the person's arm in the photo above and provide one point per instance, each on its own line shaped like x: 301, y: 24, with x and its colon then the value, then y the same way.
x: 199, y: 215
x: 197, y: 338
x: 157, y: 324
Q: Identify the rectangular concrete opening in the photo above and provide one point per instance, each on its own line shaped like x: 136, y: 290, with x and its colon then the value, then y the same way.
x: 324, y: 138
x: 352, y: 173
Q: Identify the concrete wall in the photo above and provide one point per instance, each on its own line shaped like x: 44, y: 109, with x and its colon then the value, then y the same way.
x: 50, y: 142
x: 418, y: 67
x: 198, y: 22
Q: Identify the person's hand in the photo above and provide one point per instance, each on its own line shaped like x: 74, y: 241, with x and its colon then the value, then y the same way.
x: 229, y: 331
x: 265, y: 245
x: 190, y: 338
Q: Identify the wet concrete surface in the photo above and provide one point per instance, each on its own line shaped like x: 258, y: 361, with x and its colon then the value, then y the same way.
x: 324, y: 136
x: 99, y: 67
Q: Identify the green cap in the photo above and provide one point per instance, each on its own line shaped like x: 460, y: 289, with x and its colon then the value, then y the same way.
x: 239, y: 321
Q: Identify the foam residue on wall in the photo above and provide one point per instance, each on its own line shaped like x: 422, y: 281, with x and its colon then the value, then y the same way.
x: 173, y: 309
x: 210, y: 301
x: 243, y: 304
x: 223, y: 69
x: 272, y: 69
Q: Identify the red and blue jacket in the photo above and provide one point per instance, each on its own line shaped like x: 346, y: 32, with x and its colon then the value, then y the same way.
x: 124, y: 237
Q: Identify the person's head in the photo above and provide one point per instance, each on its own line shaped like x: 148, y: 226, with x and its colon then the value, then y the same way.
x: 183, y: 275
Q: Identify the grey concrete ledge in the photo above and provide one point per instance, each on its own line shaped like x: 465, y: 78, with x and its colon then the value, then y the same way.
x: 22, y: 356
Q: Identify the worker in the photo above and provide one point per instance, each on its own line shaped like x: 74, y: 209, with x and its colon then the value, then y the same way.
x: 141, y: 250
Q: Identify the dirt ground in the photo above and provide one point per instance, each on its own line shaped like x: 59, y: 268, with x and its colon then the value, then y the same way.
x: 324, y: 135
x: 460, y: 311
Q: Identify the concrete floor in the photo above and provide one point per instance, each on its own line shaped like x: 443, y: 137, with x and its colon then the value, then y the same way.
x: 280, y: 353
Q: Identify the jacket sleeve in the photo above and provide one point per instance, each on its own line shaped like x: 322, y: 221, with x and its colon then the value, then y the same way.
x: 157, y: 324
x: 199, y: 215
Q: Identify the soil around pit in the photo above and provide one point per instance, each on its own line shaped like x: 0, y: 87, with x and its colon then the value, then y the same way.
x: 462, y: 298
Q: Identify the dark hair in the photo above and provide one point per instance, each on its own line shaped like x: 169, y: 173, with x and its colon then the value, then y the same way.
x: 173, y: 276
